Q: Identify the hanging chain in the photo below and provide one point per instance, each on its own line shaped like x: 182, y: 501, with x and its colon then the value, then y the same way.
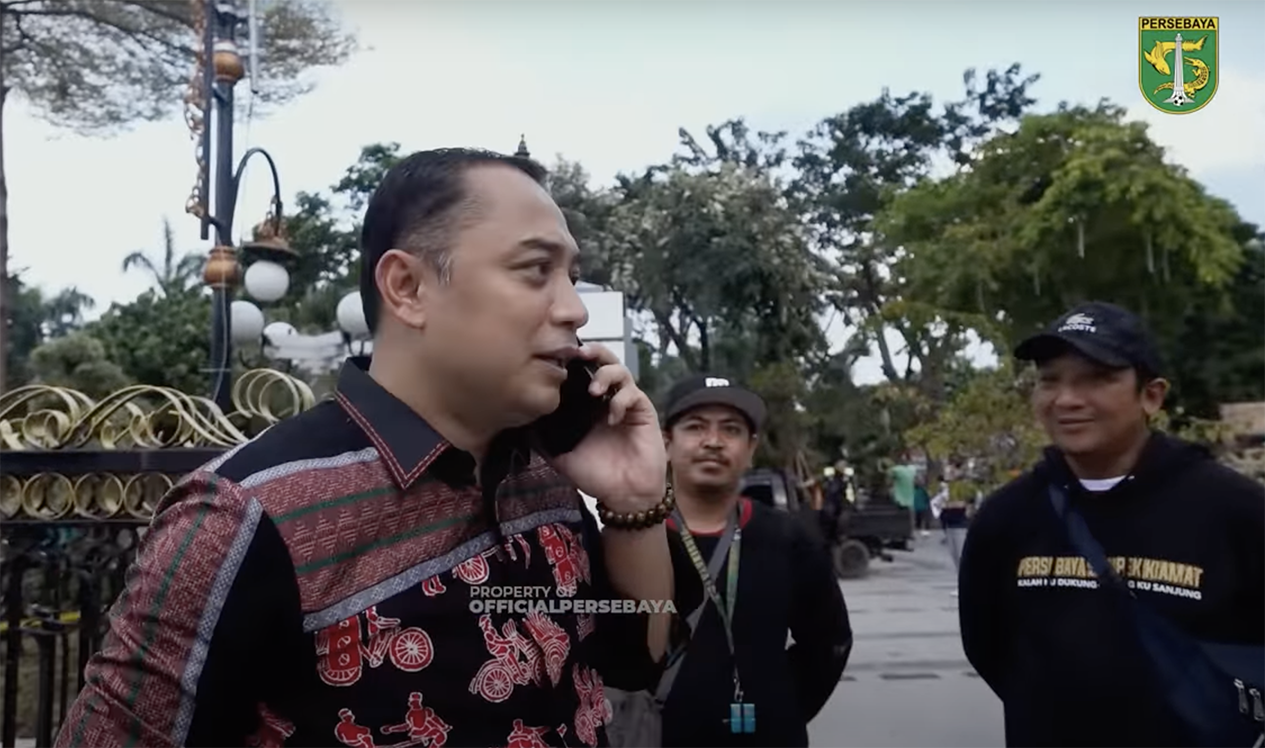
x: 195, y: 110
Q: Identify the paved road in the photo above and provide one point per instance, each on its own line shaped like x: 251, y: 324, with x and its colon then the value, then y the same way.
x: 908, y: 684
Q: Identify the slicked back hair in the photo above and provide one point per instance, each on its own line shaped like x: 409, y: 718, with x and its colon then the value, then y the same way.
x: 420, y: 205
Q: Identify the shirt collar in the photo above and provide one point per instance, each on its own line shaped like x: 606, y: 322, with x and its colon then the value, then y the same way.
x: 407, y: 444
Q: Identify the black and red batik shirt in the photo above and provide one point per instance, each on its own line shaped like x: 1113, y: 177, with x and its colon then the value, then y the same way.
x: 312, y: 588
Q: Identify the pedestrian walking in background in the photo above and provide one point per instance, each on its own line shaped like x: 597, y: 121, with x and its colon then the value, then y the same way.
x: 937, y: 508
x: 903, y: 478
x: 834, y: 494
x: 955, y: 518
x: 922, y: 505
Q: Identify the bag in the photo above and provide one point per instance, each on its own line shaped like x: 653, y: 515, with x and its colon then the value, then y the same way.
x: 637, y: 716
x: 636, y: 719
x: 1213, y: 689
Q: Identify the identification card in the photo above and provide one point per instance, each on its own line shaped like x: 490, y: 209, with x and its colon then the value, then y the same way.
x: 741, y: 718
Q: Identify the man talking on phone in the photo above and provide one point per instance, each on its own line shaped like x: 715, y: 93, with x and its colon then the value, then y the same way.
x: 404, y: 562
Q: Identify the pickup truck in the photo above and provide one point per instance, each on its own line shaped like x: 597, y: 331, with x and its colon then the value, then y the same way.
x: 861, y: 532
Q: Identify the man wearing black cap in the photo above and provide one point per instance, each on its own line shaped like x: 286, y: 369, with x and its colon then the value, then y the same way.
x: 1115, y: 594
x: 770, y: 577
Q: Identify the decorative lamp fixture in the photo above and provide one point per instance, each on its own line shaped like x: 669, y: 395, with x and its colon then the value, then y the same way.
x: 266, y: 281
x: 351, y: 316
x: 276, y: 331
x: 247, y: 323
x: 268, y: 239
x: 266, y: 256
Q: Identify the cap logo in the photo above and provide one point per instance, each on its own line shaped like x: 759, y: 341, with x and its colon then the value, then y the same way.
x: 715, y: 382
x: 1078, y: 323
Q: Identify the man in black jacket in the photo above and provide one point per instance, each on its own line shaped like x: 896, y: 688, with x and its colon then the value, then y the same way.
x: 1186, y: 534
x: 765, y: 566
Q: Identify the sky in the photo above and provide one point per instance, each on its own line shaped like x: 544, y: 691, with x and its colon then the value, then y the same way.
x: 607, y: 83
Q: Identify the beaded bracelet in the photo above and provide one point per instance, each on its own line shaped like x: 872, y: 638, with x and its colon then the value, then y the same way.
x: 642, y: 520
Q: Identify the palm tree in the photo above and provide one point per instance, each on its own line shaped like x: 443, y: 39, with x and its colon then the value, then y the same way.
x: 63, y: 313
x: 175, y: 275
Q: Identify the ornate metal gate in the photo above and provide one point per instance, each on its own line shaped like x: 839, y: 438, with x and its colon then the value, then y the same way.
x: 79, y: 480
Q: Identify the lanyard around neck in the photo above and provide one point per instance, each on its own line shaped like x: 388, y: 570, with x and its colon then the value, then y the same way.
x: 726, y: 607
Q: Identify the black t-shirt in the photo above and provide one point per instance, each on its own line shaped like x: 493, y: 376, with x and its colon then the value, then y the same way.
x: 786, y: 585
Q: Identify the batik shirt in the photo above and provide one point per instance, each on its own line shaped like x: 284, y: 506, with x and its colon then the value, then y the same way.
x: 313, y: 587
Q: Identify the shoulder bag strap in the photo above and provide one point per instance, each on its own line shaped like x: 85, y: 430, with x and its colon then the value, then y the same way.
x: 1181, y: 662
x: 1084, y: 542
x: 713, y: 568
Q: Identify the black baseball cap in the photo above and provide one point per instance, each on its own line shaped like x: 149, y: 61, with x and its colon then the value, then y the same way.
x: 1101, y: 332
x: 700, y: 390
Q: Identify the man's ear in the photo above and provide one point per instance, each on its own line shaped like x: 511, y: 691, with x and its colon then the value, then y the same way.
x: 1153, y: 394
x: 402, y: 285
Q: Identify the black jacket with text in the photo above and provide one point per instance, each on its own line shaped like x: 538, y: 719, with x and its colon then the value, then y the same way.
x: 1186, y: 531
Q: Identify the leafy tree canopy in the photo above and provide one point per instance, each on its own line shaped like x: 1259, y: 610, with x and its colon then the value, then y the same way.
x: 1075, y: 205
x: 90, y: 65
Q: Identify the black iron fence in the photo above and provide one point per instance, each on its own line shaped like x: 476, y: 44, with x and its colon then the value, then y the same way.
x: 79, y: 480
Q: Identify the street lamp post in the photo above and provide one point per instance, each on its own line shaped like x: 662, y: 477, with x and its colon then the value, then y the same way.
x: 222, y: 68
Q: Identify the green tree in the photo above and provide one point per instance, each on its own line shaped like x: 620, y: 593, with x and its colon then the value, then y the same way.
x: 24, y: 325
x: 708, y: 248
x: 588, y: 213
x: 172, y: 274
x: 1218, y: 353
x: 63, y: 313
x: 1075, y: 205
x: 325, y: 231
x: 851, y: 165
x: 731, y: 143
x: 94, y: 66
x: 988, y: 419
x: 159, y: 339
x: 77, y: 361
x: 33, y: 319
x: 712, y: 255
x: 846, y: 417
x: 785, y: 438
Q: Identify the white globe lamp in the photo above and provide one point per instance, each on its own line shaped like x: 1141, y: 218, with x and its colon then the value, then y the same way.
x: 266, y: 281
x: 247, y: 323
x: 275, y: 332
x: 351, y: 316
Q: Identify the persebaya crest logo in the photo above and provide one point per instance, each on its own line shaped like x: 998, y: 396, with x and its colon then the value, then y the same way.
x: 1177, y: 62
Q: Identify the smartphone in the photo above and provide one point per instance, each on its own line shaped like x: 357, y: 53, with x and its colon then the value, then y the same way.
x: 578, y: 411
